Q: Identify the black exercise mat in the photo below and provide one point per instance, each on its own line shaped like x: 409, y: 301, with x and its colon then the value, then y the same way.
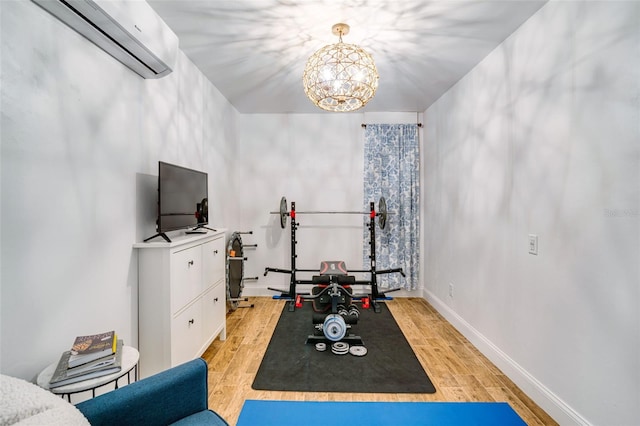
x: 390, y: 366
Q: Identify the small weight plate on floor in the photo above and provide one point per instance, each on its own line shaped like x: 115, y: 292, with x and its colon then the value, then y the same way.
x: 342, y: 352
x: 358, y: 350
x: 321, y: 347
x: 340, y: 346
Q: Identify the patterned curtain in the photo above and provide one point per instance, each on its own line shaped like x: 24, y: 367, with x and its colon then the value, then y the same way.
x: 392, y: 170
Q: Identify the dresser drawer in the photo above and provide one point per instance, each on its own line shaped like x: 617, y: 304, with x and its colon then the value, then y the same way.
x: 186, y: 334
x: 214, y: 310
x: 186, y: 277
x: 213, y: 253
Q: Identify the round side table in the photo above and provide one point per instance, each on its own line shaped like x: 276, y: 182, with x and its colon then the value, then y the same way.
x: 130, y: 357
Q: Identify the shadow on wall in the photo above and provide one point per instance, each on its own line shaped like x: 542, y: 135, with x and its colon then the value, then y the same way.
x: 273, y: 231
x: 146, y: 205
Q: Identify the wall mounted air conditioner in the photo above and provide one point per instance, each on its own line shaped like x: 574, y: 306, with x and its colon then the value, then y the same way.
x: 129, y: 30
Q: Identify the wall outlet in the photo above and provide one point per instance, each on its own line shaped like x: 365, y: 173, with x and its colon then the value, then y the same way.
x: 450, y: 290
x: 533, y: 244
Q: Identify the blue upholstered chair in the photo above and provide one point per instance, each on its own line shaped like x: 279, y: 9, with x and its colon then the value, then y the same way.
x: 177, y: 396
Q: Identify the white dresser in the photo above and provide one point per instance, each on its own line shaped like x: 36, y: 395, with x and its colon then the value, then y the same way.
x: 181, y: 299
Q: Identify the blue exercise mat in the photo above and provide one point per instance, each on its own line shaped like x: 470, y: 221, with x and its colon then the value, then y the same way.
x: 290, y: 413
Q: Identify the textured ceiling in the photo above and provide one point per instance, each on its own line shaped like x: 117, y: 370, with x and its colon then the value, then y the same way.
x: 254, y: 51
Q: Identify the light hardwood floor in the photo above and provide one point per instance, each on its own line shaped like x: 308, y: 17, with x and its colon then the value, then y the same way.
x: 457, y: 369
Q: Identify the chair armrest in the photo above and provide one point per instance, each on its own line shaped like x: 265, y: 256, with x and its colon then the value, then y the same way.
x: 163, y: 398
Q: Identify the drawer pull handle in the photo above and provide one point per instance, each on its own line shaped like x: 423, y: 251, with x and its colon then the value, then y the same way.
x: 215, y: 299
x: 215, y: 252
x: 191, y: 321
x: 191, y: 263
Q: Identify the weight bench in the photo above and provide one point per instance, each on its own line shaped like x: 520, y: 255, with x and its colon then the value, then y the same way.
x: 333, y: 309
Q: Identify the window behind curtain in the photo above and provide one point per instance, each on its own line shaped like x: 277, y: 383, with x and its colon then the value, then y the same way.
x: 392, y: 170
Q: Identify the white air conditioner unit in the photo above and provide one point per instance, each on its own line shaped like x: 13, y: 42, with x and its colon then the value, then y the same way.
x: 129, y: 30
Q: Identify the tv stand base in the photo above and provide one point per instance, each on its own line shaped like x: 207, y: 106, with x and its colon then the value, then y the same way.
x: 203, y: 227
x: 160, y: 234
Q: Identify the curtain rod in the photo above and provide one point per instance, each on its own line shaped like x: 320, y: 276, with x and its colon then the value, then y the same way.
x: 365, y: 126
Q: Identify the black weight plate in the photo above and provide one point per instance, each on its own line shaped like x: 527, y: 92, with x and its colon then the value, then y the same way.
x: 284, y: 212
x: 382, y: 213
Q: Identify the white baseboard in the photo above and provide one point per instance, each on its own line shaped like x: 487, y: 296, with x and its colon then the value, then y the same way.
x: 540, y: 394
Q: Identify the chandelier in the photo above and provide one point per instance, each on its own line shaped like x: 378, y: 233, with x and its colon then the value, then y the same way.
x: 340, y: 77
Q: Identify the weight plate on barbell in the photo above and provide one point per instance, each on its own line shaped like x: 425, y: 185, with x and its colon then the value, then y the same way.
x: 334, y: 327
x: 382, y: 213
x: 284, y: 212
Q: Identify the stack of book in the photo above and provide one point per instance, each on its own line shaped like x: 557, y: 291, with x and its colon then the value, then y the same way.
x: 90, y: 357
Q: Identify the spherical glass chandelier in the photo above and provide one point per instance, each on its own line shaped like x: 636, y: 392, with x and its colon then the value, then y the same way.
x: 340, y: 77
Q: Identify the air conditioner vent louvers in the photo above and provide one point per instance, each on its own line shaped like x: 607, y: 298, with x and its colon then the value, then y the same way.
x: 130, y: 31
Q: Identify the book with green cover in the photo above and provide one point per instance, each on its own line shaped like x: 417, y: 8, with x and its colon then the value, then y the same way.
x: 63, y: 375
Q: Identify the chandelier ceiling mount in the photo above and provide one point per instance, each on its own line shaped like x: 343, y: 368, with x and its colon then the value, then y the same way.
x: 340, y: 29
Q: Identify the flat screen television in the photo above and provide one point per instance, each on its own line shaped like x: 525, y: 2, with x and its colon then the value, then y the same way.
x: 182, y: 199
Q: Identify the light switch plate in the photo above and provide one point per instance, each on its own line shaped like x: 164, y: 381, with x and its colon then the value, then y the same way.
x: 533, y: 244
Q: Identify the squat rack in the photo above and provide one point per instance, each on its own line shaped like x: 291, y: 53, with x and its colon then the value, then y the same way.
x: 373, y: 297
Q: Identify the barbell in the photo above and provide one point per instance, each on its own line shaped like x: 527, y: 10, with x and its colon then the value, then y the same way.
x: 381, y: 214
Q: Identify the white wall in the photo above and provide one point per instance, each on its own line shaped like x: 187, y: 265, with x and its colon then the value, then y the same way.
x: 543, y: 137
x: 81, y: 139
